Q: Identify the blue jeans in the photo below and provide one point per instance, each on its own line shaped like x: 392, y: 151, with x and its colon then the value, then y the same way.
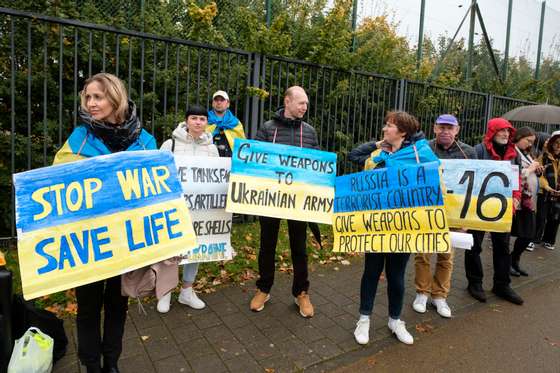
x: 189, y: 272
x: 395, y: 267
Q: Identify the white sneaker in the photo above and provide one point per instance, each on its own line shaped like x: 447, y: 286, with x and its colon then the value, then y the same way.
x: 548, y: 246
x: 362, y: 331
x: 530, y: 247
x: 399, y: 329
x: 419, y: 304
x: 442, y: 307
x: 189, y: 298
x: 164, y: 303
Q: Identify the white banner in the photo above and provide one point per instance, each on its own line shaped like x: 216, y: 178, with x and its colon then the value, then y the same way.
x: 205, y: 184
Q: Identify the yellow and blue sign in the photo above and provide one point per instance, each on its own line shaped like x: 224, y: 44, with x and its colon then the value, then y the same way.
x: 391, y: 210
x: 281, y: 181
x: 85, y: 221
x: 479, y: 193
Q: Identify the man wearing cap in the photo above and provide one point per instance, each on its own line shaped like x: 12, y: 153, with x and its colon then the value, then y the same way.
x: 445, y: 146
x: 223, y: 125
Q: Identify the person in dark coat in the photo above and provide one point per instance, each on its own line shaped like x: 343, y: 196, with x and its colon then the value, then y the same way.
x: 550, y: 186
x: 497, y: 145
x: 524, y: 224
x: 286, y: 127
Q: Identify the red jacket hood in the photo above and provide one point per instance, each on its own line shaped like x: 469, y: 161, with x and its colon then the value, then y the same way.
x: 495, y: 125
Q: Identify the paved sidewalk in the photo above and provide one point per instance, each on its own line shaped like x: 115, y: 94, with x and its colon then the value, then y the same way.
x: 228, y: 337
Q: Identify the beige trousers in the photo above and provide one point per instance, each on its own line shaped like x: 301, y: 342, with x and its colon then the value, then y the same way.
x: 439, y: 284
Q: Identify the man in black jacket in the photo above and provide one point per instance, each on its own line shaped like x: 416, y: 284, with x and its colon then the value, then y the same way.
x: 286, y: 127
x: 496, y: 145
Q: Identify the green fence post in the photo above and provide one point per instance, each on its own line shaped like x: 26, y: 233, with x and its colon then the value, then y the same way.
x: 508, y: 32
x: 268, y: 5
x: 354, y: 21
x: 420, y: 35
x: 539, y: 49
x: 471, y: 41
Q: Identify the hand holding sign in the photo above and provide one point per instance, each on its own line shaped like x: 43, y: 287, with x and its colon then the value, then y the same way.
x: 390, y: 210
x: 101, y: 217
x: 281, y: 181
x: 479, y: 193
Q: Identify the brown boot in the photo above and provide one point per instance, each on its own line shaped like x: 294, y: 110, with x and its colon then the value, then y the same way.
x: 258, y: 301
x: 304, y: 304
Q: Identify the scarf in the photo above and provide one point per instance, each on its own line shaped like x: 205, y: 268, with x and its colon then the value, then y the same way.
x: 227, y: 122
x: 117, y: 137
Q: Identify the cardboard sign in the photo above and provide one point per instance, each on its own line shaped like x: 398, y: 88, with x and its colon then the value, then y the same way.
x: 391, y: 210
x: 479, y: 193
x: 281, y: 181
x: 205, y: 184
x: 86, y: 221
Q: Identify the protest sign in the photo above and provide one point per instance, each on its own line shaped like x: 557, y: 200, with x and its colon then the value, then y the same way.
x: 205, y: 183
x: 281, y: 181
x: 85, y: 221
x: 479, y: 193
x: 391, y: 210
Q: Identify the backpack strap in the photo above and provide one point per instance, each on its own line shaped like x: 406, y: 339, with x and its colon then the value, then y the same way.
x: 172, y: 144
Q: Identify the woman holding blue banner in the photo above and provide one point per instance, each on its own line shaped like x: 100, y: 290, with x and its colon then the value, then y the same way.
x: 189, y: 138
x: 403, y: 143
x: 107, y: 124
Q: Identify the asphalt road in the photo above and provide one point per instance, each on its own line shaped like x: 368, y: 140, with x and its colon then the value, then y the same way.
x: 493, y: 337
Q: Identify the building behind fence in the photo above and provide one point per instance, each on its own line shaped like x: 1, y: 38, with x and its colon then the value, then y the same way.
x: 44, y: 61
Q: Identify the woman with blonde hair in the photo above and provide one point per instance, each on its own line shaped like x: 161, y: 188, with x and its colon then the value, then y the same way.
x: 107, y: 124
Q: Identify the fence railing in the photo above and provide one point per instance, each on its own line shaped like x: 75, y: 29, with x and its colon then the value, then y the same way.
x: 45, y: 60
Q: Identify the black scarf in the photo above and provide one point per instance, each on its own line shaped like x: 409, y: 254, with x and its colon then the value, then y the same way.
x: 117, y: 137
x: 500, y: 149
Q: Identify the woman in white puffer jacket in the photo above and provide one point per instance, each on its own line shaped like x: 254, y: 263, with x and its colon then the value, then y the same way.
x: 189, y: 138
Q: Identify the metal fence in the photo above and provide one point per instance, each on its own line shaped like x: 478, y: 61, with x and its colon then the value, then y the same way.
x: 44, y: 62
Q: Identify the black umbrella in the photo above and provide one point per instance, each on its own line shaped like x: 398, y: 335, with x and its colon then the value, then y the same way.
x: 546, y: 114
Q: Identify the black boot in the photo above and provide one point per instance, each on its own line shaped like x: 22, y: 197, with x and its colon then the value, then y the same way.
x: 514, y: 272
x: 94, y: 368
x: 477, y: 292
x: 111, y: 368
x: 507, y: 293
x: 515, y: 267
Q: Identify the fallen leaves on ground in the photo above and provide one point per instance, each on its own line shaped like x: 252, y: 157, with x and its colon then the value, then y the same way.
x: 145, y: 338
x: 552, y: 343
x: 424, y: 328
x: 371, y: 362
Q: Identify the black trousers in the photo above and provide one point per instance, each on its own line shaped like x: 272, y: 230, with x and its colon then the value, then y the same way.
x: 500, y: 256
x: 91, y: 298
x: 297, y: 231
x: 542, y: 212
x: 395, y: 268
x: 519, y: 247
x: 552, y: 223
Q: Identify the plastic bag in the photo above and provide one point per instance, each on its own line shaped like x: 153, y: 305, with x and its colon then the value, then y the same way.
x: 32, y: 353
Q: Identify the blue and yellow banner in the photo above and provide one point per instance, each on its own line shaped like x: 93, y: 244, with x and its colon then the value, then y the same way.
x: 479, y: 193
x: 281, y: 181
x: 85, y: 221
x: 391, y: 210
